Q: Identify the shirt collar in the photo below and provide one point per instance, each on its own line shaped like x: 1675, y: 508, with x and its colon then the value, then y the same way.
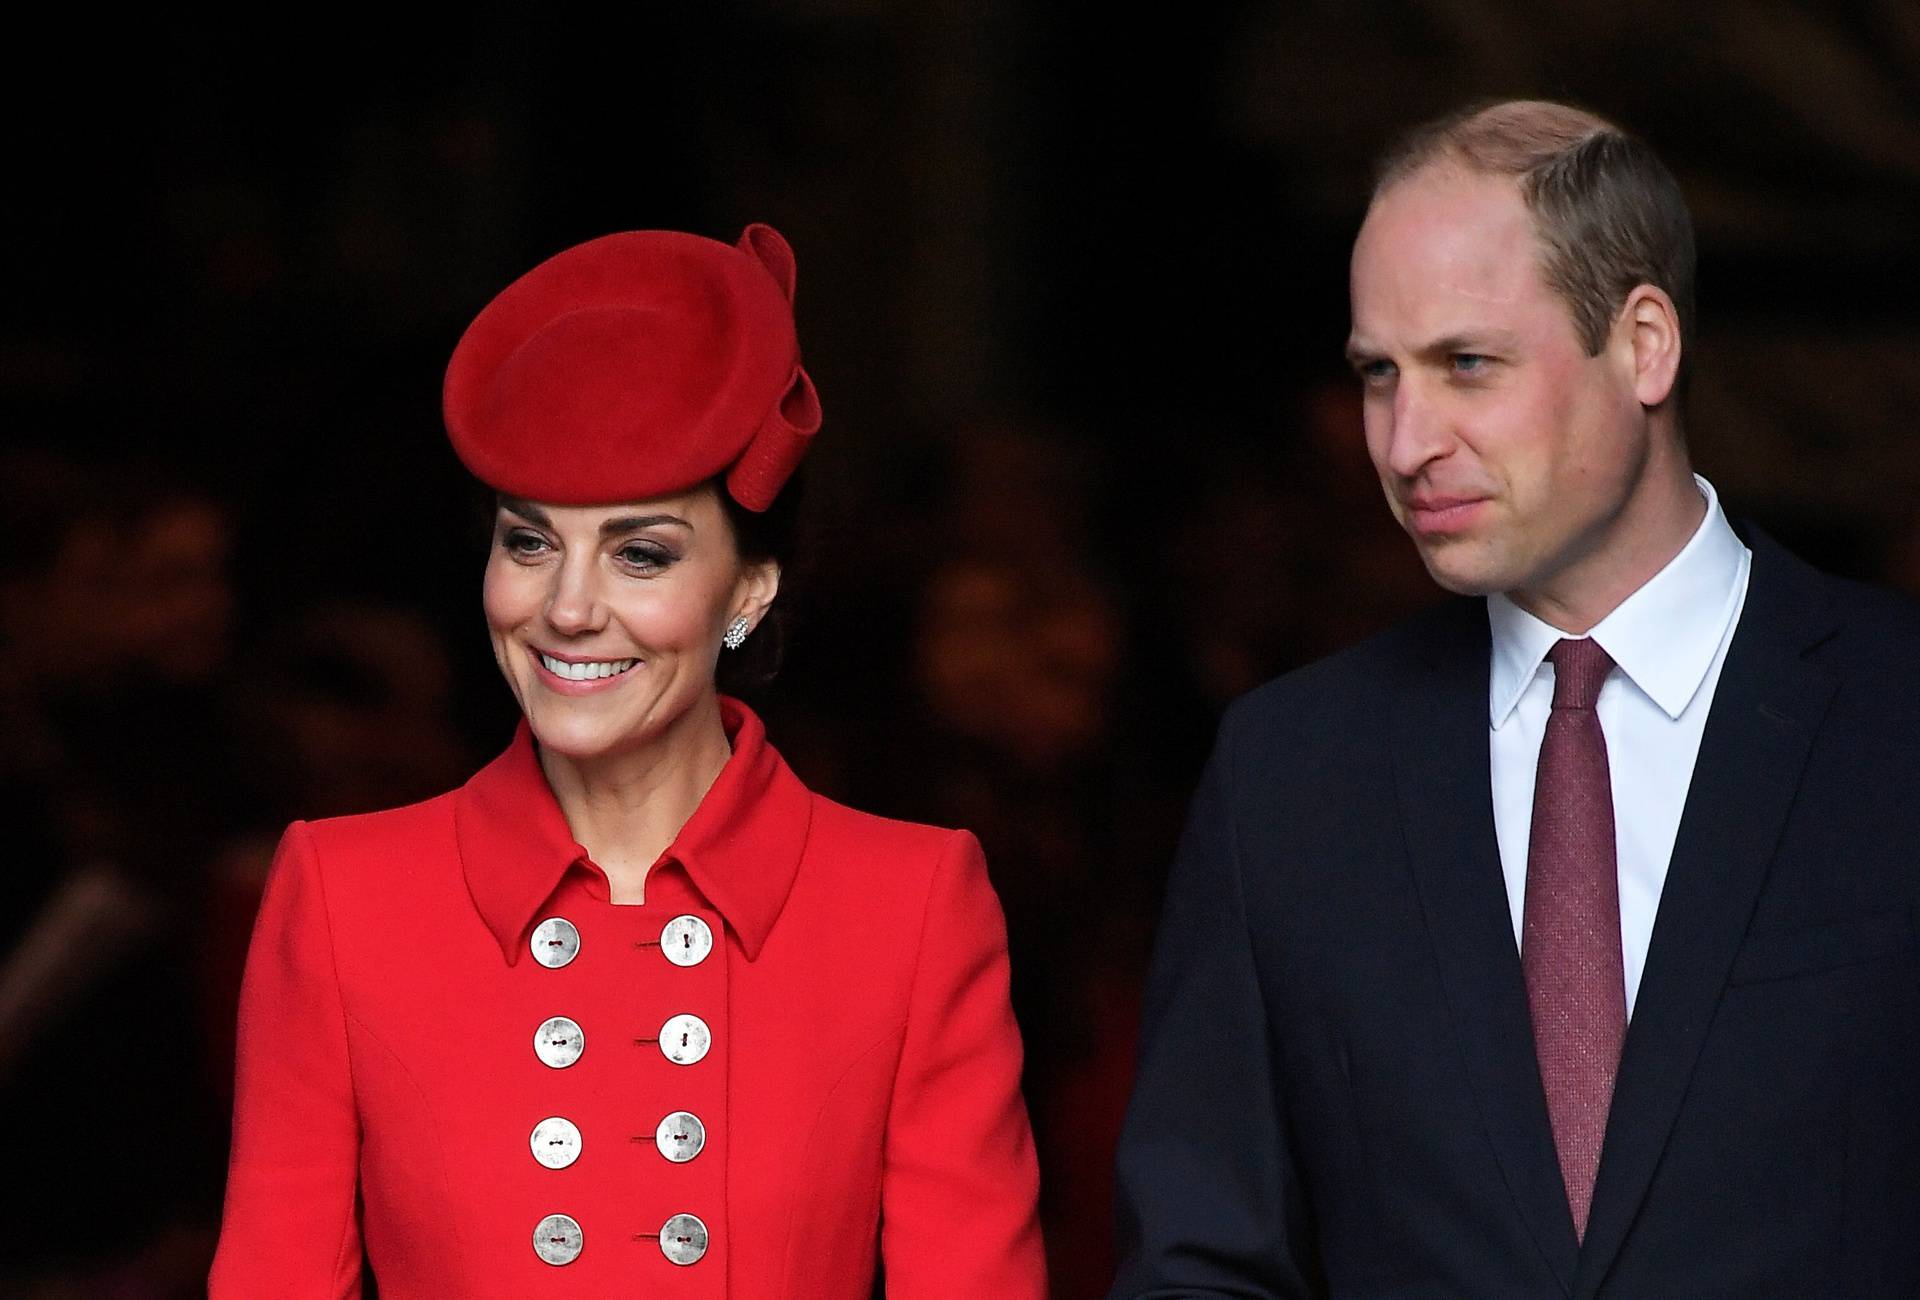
x: 1663, y: 637
x: 741, y: 847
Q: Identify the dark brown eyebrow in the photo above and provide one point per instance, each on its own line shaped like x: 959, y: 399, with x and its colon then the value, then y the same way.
x: 630, y: 523
x: 539, y: 518
x: 528, y: 511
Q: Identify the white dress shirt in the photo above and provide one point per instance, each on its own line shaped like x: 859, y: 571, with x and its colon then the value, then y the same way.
x: 1668, y: 641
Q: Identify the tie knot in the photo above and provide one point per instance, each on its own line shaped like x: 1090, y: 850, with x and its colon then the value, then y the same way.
x: 1579, y: 666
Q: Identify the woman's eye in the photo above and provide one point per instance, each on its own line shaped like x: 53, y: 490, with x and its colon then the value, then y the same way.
x: 645, y: 555
x: 519, y: 542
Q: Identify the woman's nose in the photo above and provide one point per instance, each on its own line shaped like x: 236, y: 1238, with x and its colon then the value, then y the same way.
x: 575, y: 608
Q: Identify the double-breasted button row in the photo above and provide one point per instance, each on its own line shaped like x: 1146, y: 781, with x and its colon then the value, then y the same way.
x: 684, y: 1039
x: 556, y: 1140
x: 684, y: 941
x: 558, y: 1240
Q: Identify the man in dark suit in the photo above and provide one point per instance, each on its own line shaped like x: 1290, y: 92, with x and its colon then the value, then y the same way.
x: 1561, y: 942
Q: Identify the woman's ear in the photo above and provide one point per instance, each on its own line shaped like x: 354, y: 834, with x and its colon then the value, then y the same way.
x: 759, y: 584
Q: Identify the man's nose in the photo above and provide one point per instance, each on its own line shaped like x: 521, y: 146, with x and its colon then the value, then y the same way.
x: 1422, y: 429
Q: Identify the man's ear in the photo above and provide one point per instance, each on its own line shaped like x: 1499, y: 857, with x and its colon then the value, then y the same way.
x: 1650, y: 328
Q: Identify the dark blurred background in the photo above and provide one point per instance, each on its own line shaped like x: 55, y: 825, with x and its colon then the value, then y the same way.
x: 1073, y: 291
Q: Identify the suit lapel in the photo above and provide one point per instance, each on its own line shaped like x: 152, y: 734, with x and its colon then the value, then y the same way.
x: 1766, y: 708
x: 1443, y: 783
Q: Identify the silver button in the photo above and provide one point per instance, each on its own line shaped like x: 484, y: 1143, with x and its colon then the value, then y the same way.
x: 680, y: 1137
x: 555, y: 942
x: 684, y: 1239
x: 558, y: 1239
x: 686, y: 940
x: 685, y: 1039
x: 556, y: 1142
x: 559, y: 1042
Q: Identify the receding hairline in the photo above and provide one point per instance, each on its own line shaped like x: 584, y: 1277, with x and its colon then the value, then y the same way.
x: 1510, y: 137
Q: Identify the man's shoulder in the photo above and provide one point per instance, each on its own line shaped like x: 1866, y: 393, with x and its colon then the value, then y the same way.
x: 1862, y: 624
x: 1349, y: 685
x: 1878, y: 616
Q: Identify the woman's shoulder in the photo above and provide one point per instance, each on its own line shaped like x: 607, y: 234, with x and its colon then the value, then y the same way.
x: 887, y: 861
x: 837, y: 825
x: 374, y: 854
x: 409, y: 827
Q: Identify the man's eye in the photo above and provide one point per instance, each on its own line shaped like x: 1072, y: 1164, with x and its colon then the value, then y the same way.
x: 1470, y: 363
x: 1375, y: 372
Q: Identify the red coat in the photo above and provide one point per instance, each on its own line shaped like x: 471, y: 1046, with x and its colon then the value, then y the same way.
x: 400, y: 1064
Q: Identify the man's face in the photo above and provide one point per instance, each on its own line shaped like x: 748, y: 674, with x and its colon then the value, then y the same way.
x: 1509, y: 456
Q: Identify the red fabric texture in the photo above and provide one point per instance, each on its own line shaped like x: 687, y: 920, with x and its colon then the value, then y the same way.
x: 861, y: 1097
x: 635, y: 366
x: 1570, y: 947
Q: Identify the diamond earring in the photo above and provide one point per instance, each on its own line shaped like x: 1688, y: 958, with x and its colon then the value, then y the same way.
x: 736, y: 633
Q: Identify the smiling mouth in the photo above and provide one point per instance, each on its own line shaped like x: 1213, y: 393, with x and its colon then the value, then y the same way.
x: 590, y: 670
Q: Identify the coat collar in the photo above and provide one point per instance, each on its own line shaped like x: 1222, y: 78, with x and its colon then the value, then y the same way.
x: 741, y: 848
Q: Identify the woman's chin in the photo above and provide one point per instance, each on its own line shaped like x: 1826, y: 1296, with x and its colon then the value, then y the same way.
x: 578, y: 738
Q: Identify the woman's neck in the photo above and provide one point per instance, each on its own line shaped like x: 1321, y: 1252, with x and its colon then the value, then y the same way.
x: 625, y: 809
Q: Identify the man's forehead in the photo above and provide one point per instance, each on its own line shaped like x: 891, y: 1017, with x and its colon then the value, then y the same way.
x: 1454, y: 238
x: 1447, y: 208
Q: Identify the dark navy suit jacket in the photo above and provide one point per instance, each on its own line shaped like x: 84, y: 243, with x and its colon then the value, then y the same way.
x: 1338, y: 1095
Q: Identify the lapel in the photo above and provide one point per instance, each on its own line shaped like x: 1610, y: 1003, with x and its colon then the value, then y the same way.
x: 1766, y: 708
x: 1443, y: 782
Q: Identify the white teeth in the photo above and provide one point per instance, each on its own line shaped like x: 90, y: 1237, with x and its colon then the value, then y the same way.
x: 586, y: 672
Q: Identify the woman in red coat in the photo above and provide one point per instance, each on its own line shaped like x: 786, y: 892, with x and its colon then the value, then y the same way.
x: 632, y: 1012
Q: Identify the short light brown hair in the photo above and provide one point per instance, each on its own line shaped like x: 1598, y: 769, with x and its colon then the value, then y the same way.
x: 1609, y: 215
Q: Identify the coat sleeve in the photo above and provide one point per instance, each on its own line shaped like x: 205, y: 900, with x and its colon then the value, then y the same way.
x: 291, y: 1227
x: 960, y: 1190
x: 1208, y: 1199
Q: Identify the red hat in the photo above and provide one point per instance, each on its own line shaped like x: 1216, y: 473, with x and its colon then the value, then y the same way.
x: 637, y: 365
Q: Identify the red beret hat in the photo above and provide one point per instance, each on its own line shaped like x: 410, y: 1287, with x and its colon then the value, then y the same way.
x: 637, y: 365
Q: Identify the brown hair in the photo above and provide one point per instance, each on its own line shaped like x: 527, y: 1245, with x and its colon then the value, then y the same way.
x: 770, y: 534
x: 1609, y: 215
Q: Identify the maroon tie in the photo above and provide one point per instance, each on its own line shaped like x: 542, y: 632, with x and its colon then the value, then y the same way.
x: 1570, y: 943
